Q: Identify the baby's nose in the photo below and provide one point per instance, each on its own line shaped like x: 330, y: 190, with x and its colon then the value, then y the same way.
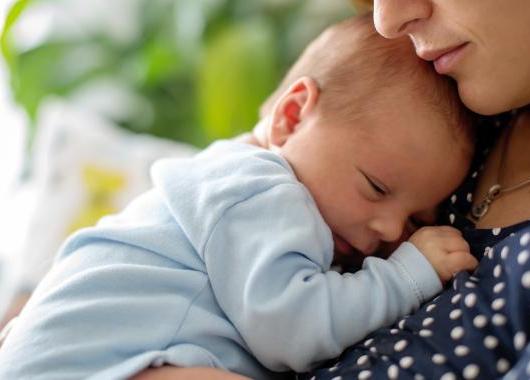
x: 389, y: 229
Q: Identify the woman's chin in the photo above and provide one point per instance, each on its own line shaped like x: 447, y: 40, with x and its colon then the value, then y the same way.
x: 489, y: 99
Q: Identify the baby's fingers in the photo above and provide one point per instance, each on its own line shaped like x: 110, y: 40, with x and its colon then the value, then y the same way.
x: 456, y: 244
x: 463, y: 260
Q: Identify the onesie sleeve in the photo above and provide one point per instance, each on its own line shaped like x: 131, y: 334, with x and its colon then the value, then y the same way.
x: 268, y: 260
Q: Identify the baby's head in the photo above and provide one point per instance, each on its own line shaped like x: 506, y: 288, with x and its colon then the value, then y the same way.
x: 371, y: 130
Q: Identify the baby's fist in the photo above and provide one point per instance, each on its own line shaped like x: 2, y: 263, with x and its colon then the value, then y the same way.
x: 446, y: 250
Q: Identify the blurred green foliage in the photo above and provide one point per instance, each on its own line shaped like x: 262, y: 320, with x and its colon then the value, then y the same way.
x: 200, y: 67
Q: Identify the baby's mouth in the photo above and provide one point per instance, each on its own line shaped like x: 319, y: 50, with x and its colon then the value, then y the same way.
x: 342, y: 247
x: 347, y: 256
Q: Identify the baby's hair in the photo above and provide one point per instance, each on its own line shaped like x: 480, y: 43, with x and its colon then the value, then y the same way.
x: 353, y: 65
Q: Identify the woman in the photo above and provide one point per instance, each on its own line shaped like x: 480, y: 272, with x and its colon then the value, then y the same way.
x: 480, y: 327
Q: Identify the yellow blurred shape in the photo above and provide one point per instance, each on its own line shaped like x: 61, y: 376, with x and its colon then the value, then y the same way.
x: 102, y: 185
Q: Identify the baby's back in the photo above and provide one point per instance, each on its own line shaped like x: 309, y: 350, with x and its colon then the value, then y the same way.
x: 131, y: 292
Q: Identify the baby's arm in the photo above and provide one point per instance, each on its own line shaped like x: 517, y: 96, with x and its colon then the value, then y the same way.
x: 268, y: 260
x: 107, y: 305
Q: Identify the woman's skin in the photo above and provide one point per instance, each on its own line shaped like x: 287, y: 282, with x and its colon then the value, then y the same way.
x: 174, y: 373
x: 493, y: 67
x: 483, y: 45
x: 14, y: 309
x: 512, y: 207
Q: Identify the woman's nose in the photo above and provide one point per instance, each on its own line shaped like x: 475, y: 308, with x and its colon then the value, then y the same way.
x: 396, y: 18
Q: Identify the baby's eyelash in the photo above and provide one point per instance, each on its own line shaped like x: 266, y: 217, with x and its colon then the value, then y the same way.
x: 377, y: 188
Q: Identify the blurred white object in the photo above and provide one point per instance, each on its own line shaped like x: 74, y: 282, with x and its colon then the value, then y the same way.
x: 71, y: 19
x: 83, y: 168
x: 12, y: 148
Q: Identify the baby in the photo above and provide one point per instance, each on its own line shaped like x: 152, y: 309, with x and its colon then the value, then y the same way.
x: 226, y: 262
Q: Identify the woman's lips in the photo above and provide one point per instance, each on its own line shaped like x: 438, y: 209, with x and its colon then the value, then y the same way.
x: 446, y: 59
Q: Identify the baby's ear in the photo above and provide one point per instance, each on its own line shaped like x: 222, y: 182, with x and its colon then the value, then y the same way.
x: 291, y: 108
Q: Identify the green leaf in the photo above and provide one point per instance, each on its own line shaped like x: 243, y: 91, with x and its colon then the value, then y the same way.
x: 12, y: 17
x: 238, y: 71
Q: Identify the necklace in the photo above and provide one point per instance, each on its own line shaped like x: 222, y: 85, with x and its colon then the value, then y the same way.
x: 497, y: 190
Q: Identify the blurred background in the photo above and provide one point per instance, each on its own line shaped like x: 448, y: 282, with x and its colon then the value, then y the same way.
x: 92, y: 92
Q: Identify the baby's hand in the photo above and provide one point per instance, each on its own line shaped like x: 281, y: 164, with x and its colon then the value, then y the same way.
x: 446, y: 250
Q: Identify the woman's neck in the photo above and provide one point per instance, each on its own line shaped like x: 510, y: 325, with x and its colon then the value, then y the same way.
x: 517, y: 156
x: 512, y: 207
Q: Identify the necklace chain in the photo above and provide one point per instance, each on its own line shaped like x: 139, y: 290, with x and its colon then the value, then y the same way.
x: 495, y: 191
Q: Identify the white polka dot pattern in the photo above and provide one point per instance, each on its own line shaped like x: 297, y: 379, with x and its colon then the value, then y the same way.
x: 503, y: 365
x: 504, y: 252
x: 448, y: 376
x: 519, y: 340
x: 425, y: 333
x: 480, y: 321
x: 525, y: 239
x: 461, y: 350
x: 364, y: 375
x: 498, y: 304
x: 427, y: 322
x: 368, y: 342
x: 438, y: 359
x: 491, y: 342
x: 393, y: 372
x: 362, y: 360
x: 430, y: 308
x: 498, y: 319
x: 499, y: 287
x: 468, y: 325
x: 525, y: 280
x: 406, y: 362
x: 523, y: 257
x: 457, y: 332
x: 471, y: 371
x: 455, y: 314
x: 470, y: 300
x: 400, y: 345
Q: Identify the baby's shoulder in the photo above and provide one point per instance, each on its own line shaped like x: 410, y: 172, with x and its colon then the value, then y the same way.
x: 199, y: 191
x: 240, y: 159
x: 227, y: 168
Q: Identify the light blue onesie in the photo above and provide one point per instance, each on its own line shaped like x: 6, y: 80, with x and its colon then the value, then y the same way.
x: 225, y: 263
